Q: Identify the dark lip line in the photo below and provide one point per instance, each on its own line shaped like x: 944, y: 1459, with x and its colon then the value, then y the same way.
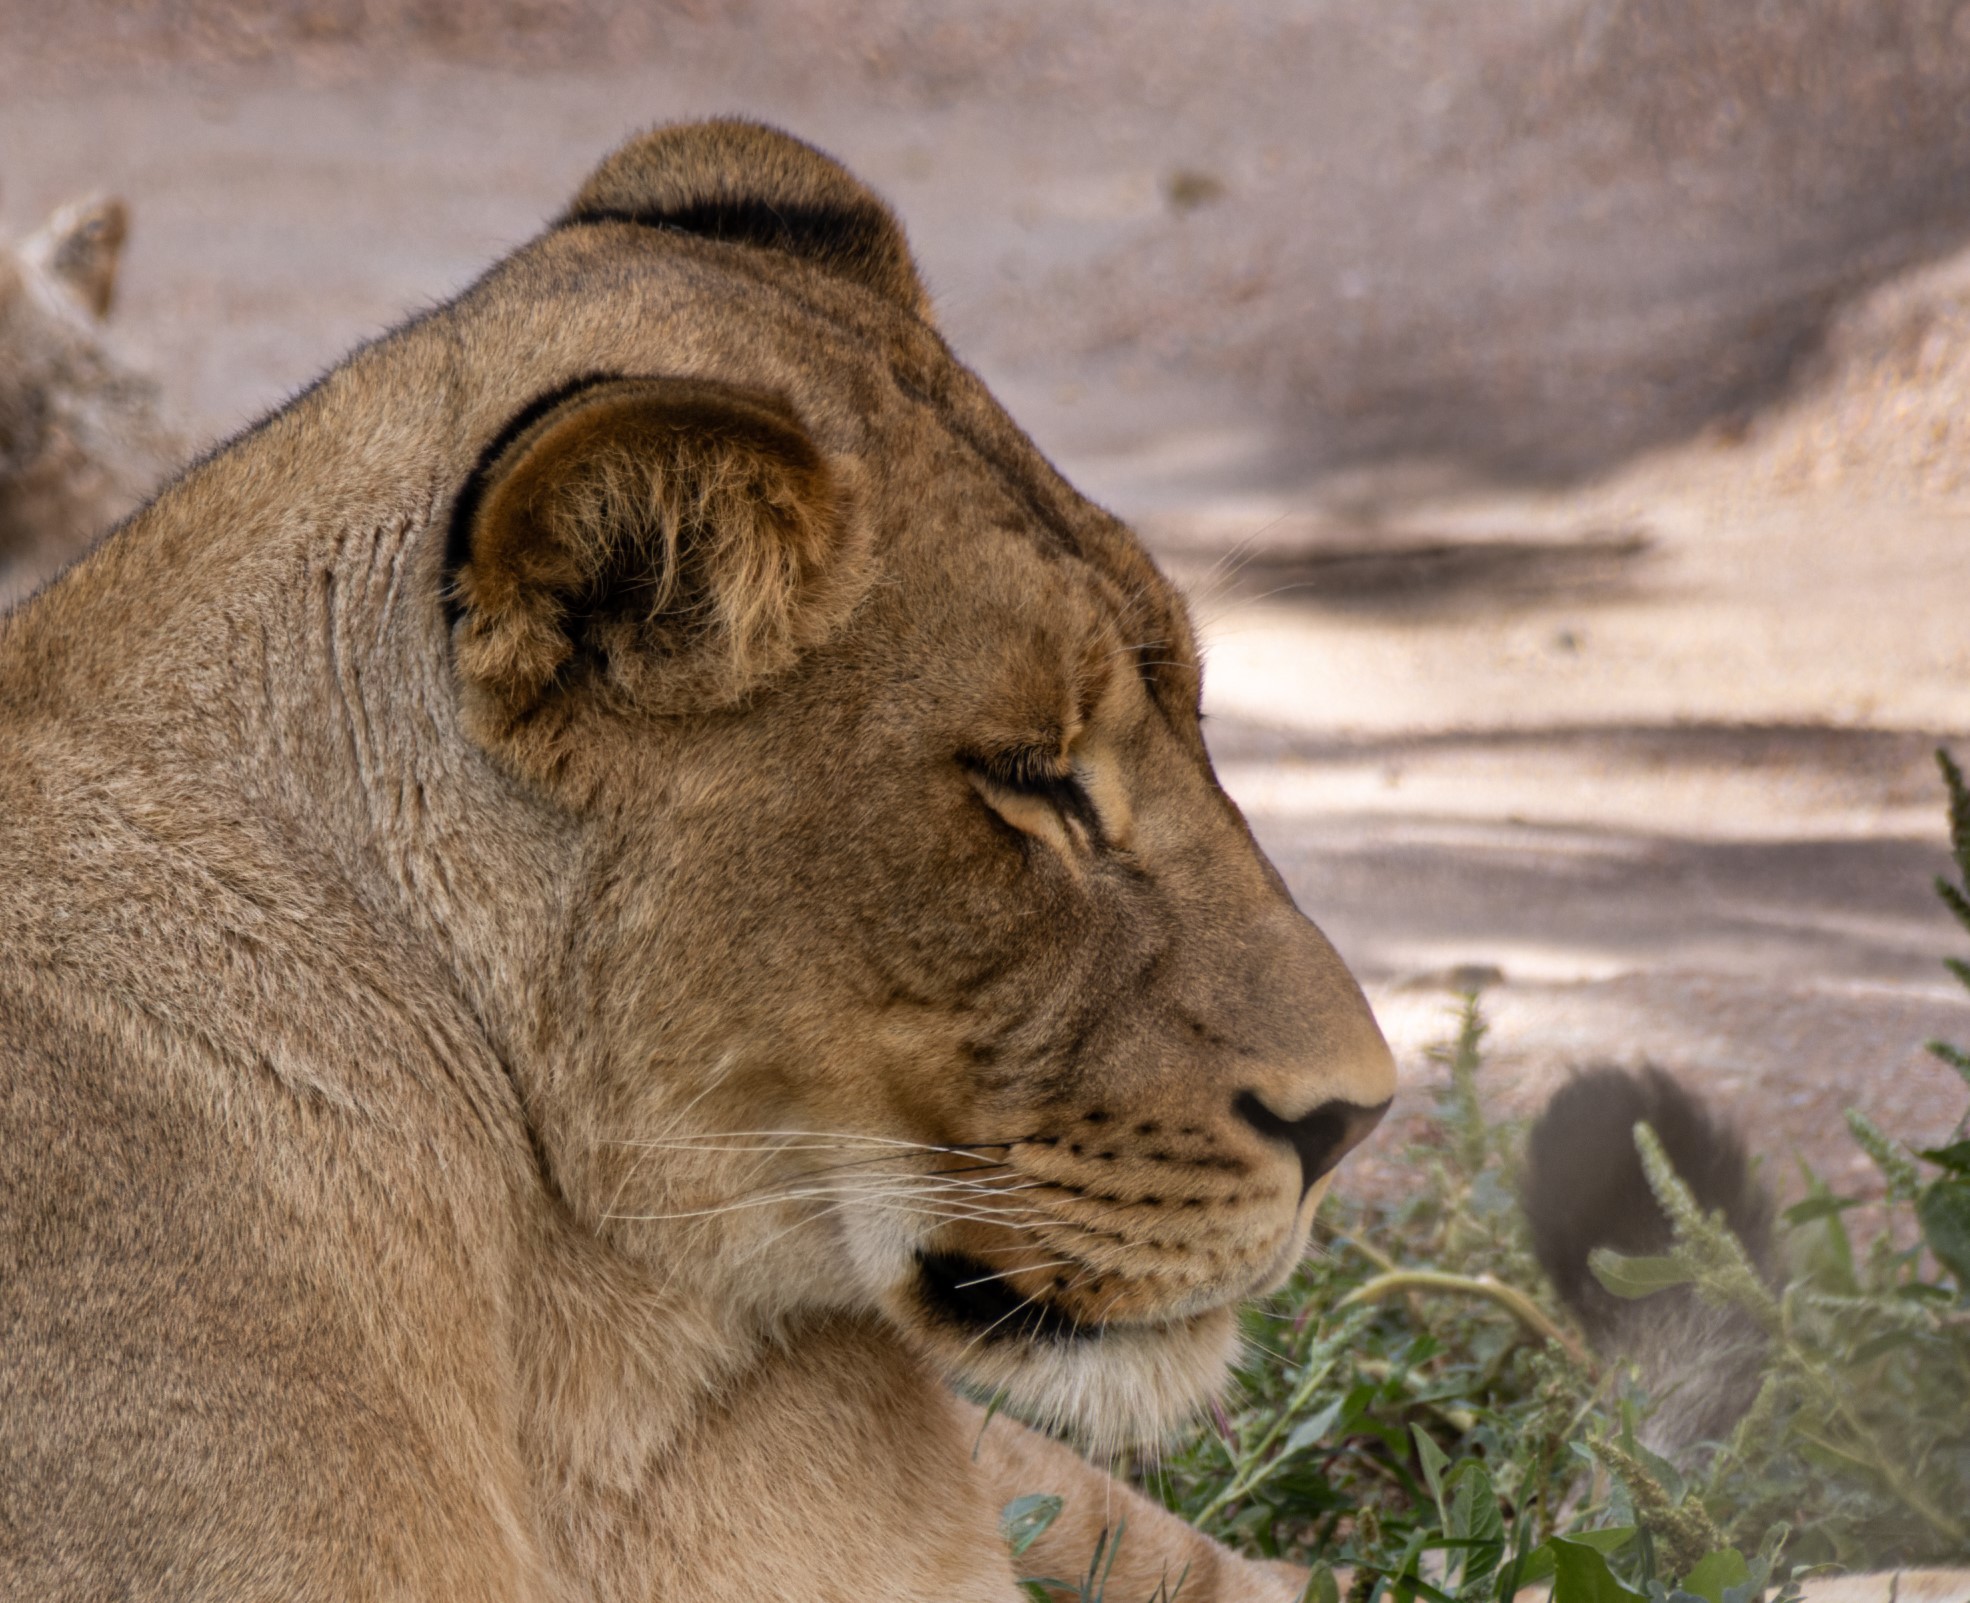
x: 961, y: 1291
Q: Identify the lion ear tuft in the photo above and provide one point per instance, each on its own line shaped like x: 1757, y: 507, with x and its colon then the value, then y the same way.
x: 665, y: 544
x: 80, y: 248
x: 754, y: 185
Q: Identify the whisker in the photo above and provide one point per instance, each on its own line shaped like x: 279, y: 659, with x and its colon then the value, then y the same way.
x: 720, y: 1070
x: 1213, y: 586
x: 951, y: 1175
x: 889, y: 1192
x: 1019, y: 1307
x: 860, y: 1163
x: 964, y: 1149
x: 1017, y: 1269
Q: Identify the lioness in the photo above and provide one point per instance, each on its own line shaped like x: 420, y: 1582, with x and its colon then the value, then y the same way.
x: 595, y: 909
x: 80, y: 440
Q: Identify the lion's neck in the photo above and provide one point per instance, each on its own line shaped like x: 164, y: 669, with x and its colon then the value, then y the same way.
x: 247, y: 709
x: 245, y: 703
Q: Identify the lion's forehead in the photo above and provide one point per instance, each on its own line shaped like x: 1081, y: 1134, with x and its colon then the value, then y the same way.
x: 629, y: 299
x: 950, y: 480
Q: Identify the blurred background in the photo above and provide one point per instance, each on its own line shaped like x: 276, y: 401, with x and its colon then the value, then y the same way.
x: 1557, y: 410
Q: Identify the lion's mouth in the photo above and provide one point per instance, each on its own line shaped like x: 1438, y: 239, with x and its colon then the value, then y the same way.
x: 960, y: 1291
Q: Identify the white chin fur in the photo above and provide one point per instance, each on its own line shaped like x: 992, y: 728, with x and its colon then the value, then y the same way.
x: 1131, y: 1387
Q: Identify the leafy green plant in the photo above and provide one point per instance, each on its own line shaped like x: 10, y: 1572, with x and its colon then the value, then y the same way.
x: 1418, y: 1416
x: 1414, y: 1397
x: 1861, y: 1435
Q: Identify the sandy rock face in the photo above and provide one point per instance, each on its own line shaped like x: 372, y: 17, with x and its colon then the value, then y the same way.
x: 1887, y: 402
x: 80, y: 438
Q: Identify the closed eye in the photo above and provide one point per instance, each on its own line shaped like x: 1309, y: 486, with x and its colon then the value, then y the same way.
x: 1014, y: 781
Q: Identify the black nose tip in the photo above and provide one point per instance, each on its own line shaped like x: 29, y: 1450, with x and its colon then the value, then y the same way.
x: 1322, y: 1138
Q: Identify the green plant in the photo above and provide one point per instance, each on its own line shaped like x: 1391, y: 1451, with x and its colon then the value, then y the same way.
x: 1861, y: 1434
x: 1414, y: 1399
x: 1417, y: 1411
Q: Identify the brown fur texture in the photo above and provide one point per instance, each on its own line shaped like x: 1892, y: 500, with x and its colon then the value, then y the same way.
x: 80, y: 440
x: 598, y: 909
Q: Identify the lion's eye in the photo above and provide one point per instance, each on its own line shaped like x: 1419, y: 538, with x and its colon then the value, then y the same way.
x: 1014, y: 781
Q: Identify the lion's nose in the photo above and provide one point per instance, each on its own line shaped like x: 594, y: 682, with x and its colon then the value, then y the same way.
x: 1322, y: 1138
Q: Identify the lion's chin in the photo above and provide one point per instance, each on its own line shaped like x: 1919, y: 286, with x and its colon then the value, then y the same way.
x: 1122, y: 1383
x: 1122, y: 1386
x: 1108, y: 1386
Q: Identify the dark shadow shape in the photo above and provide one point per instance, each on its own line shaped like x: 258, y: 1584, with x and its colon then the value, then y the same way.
x: 1825, y: 747
x: 1437, y: 575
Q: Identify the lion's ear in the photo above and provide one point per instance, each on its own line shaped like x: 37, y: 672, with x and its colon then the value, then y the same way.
x: 753, y: 185
x: 80, y: 248
x: 664, y: 544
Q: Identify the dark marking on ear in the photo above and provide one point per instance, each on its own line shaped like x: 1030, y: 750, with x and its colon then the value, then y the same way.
x: 465, y: 506
x: 815, y: 232
x: 743, y: 183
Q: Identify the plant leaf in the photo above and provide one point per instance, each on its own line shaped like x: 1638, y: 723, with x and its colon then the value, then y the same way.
x: 1821, y: 1207
x: 1024, y: 1520
x: 1315, y: 1428
x: 1535, y: 1567
x: 1321, y: 1587
x: 1944, y: 1210
x: 1581, y: 1575
x: 1955, y: 1057
x: 1474, y: 1511
x: 1611, y: 1539
x: 1434, y: 1464
x: 1637, y: 1277
x: 1955, y: 1157
x: 1475, y: 1517
x: 1714, y: 1571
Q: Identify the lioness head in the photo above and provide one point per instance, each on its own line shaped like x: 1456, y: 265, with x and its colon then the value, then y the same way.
x: 916, y: 960
x: 785, y: 794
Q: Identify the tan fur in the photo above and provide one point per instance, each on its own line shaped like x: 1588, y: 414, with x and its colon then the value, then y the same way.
x: 80, y: 440
x: 597, y: 910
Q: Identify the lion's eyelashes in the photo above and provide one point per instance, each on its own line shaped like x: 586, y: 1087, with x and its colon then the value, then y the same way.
x: 1028, y: 769
x: 1034, y: 774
